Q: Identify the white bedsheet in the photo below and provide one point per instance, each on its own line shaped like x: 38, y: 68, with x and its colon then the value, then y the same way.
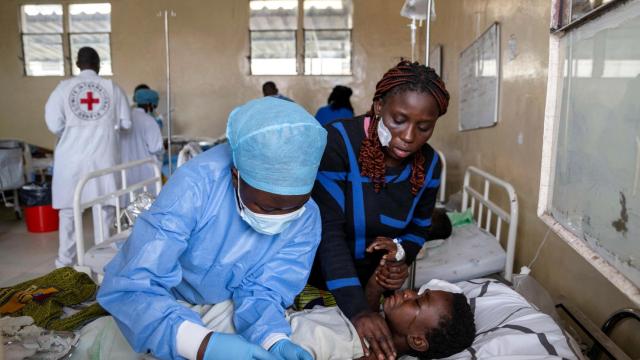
x: 325, y: 332
x: 469, y: 253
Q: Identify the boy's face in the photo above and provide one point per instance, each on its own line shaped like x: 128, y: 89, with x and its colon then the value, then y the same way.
x: 408, y: 313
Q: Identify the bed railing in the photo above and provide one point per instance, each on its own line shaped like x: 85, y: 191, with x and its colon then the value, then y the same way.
x: 130, y: 190
x: 443, y: 179
x: 486, y: 209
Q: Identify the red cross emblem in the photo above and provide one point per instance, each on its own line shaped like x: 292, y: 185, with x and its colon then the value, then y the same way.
x: 89, y: 100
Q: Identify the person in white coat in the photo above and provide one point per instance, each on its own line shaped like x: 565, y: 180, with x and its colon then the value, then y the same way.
x: 143, y: 140
x: 86, y: 113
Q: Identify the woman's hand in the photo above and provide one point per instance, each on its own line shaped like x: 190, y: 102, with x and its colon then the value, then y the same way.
x: 373, y: 330
x: 392, y: 274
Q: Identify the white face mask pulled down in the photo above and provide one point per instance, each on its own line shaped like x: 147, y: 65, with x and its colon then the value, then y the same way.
x: 383, y: 133
x: 266, y: 224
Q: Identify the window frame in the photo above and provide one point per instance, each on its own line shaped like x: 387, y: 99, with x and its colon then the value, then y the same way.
x: 65, y: 37
x: 250, y: 57
x: 304, y: 51
x: 552, y: 122
x: 71, y: 54
x: 23, y: 43
x: 300, y: 45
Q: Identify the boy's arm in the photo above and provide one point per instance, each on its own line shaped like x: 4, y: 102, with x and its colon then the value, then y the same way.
x: 373, y: 291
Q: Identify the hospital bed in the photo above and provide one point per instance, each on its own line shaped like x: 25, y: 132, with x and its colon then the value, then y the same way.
x: 103, y: 249
x: 507, y: 325
x: 12, y: 171
x: 475, y: 250
x: 188, y: 146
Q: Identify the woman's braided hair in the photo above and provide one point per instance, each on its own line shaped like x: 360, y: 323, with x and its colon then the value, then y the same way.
x: 406, y: 76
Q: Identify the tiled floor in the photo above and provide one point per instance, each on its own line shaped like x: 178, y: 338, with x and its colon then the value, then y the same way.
x: 24, y: 255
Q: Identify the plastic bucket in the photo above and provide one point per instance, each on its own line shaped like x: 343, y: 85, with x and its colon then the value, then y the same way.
x: 43, y: 218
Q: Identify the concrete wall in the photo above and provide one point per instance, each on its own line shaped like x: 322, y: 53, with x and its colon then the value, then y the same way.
x: 522, y: 103
x: 210, y: 70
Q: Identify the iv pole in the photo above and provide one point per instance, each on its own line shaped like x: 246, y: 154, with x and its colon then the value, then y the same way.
x: 413, y: 28
x: 428, y: 37
x: 412, y: 270
x: 413, y: 39
x: 168, y: 13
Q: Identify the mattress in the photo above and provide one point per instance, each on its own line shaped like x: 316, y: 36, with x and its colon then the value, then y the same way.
x: 99, y: 256
x: 468, y: 253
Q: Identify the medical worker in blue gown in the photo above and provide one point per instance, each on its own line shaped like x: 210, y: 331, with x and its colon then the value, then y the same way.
x: 236, y: 222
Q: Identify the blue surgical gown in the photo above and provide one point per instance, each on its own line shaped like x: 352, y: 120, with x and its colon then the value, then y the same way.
x: 192, y: 245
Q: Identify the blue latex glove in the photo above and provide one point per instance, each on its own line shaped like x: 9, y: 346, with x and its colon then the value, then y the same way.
x: 229, y: 346
x: 286, y: 350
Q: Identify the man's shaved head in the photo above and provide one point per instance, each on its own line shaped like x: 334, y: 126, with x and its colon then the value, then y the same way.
x: 88, y: 59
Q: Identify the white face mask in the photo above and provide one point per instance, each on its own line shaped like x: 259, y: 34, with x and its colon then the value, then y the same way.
x: 383, y: 133
x: 266, y: 224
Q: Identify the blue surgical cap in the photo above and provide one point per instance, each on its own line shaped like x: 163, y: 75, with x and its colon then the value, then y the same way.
x: 146, y: 96
x: 277, y: 145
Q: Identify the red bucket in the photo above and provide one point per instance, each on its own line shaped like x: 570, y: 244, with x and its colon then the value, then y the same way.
x: 42, y: 218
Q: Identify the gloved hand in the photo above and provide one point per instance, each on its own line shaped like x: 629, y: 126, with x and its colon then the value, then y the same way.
x: 229, y: 346
x: 286, y: 350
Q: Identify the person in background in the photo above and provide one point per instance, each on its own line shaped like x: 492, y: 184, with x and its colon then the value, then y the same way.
x: 378, y: 179
x: 236, y: 222
x: 139, y: 87
x: 144, y: 139
x: 338, y: 106
x: 270, y: 89
x: 156, y: 117
x: 86, y: 113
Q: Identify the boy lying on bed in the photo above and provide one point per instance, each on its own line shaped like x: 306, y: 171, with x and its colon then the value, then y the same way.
x: 434, y: 322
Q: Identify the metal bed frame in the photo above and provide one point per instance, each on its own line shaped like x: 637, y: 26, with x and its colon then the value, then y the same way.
x: 80, y: 206
x: 602, y: 343
x: 483, y: 210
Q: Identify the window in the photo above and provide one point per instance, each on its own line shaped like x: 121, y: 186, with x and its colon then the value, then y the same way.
x: 41, y: 27
x: 590, y: 183
x: 90, y: 25
x: 326, y: 37
x: 573, y: 11
x: 273, y: 26
x: 43, y: 36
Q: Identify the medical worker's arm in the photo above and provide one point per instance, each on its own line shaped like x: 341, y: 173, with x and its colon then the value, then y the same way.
x: 123, y: 111
x: 137, y: 286
x: 417, y: 232
x: 263, y: 295
x: 336, y: 261
x: 54, y: 111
